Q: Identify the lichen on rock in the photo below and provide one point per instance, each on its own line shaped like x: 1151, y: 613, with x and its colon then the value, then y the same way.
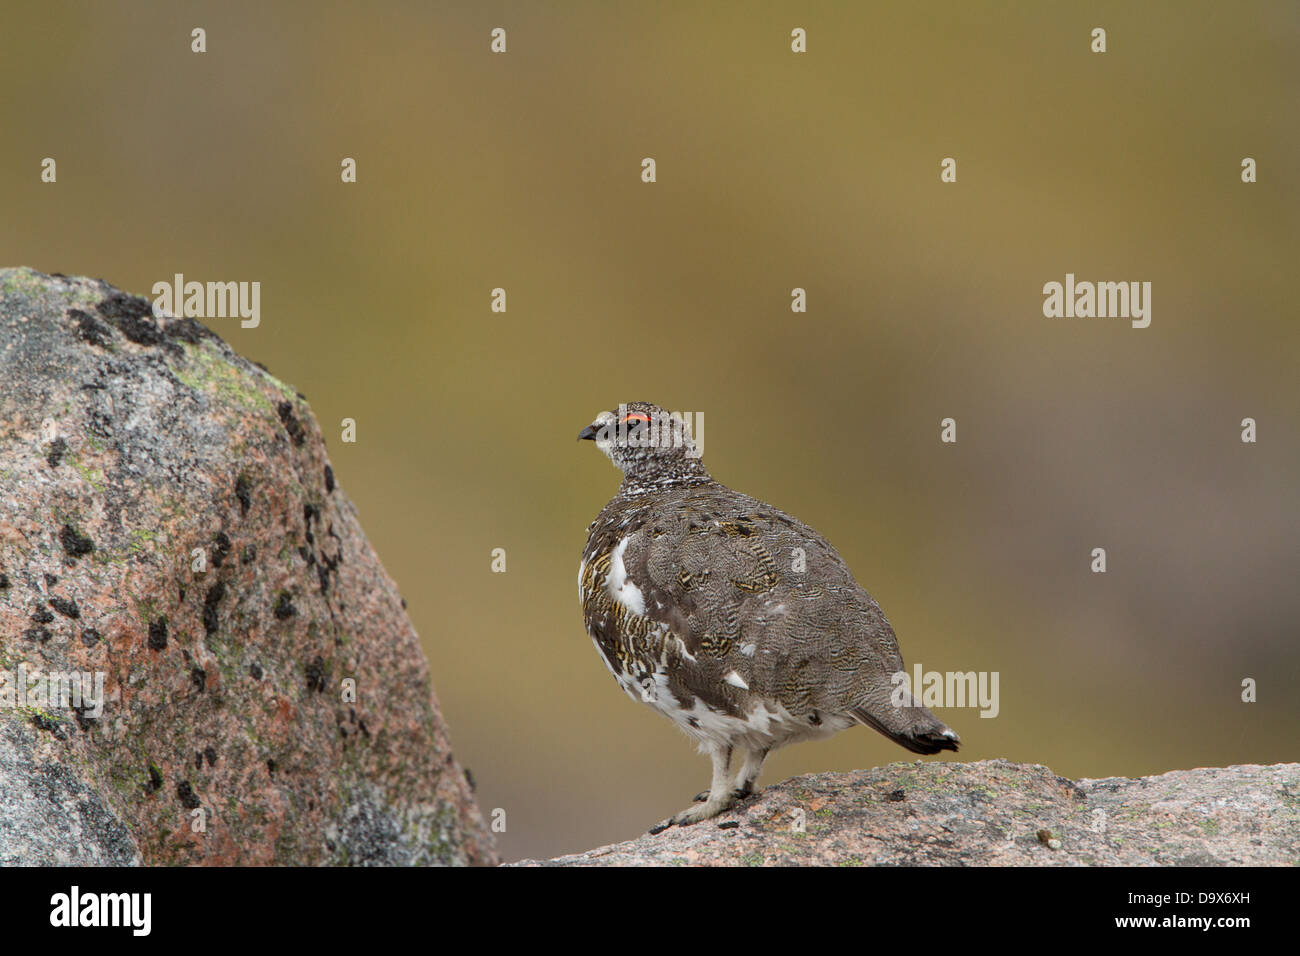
x: 989, y: 813
x: 180, y: 499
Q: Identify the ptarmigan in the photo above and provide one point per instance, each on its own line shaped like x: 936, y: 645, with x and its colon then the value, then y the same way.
x: 735, y: 620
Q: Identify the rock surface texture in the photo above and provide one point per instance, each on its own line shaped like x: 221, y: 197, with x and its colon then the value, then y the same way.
x: 169, y: 520
x: 989, y: 813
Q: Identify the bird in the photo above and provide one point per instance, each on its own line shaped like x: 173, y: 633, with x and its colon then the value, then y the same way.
x: 735, y: 620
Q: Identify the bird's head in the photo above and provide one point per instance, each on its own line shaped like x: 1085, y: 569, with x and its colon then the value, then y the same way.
x: 646, y: 443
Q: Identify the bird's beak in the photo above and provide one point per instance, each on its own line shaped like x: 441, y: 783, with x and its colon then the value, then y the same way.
x: 588, y: 433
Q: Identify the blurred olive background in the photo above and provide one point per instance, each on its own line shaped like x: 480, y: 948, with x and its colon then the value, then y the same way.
x: 775, y: 170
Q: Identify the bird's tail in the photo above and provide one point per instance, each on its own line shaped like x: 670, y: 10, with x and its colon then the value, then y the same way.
x: 912, y: 727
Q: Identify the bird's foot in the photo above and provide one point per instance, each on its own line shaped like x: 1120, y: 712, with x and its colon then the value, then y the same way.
x: 706, y: 810
x: 700, y: 812
x: 743, y: 792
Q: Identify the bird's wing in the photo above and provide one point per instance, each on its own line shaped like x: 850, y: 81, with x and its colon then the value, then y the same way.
x: 762, y: 607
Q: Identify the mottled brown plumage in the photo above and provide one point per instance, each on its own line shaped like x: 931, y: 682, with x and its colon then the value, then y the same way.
x: 737, y: 621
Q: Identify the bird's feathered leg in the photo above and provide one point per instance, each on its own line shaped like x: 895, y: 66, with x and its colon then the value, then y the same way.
x: 750, y: 766
x: 721, y: 792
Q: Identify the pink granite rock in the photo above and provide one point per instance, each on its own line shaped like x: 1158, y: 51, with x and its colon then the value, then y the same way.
x: 169, y: 520
x: 989, y: 813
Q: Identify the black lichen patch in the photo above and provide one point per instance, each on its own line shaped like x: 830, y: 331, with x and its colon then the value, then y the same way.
x: 158, y: 634
x: 74, y: 542
x: 329, y: 480
x: 187, y: 330
x: 310, y: 513
x: 155, y: 780
x: 90, y: 329
x: 199, y: 678
x: 50, y: 579
x: 220, y: 549
x: 210, y: 602
x: 270, y: 766
x: 41, y: 634
x: 897, y: 796
x: 291, y: 423
x: 58, y: 448
x: 284, y: 608
x: 51, y: 725
x: 323, y: 573
x: 249, y: 554
x: 66, y: 607
x: 189, y: 799
x: 4, y: 581
x: 42, y: 615
x: 244, y: 492
x: 133, y: 316
x: 120, y: 305
x: 89, y: 637
x: 316, y: 675
x: 101, y: 423
x: 210, y: 754
x: 198, y: 760
x: 255, y: 671
x: 84, y: 722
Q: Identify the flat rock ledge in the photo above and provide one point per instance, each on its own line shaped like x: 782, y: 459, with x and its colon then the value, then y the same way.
x: 170, y: 523
x: 989, y: 813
